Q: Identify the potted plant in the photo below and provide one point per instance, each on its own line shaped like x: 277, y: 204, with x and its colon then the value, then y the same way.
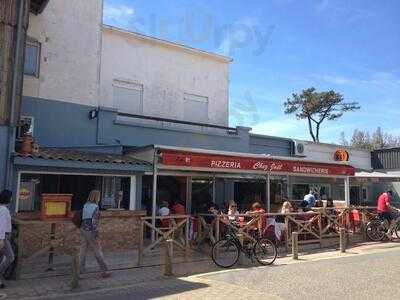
x: 26, y: 138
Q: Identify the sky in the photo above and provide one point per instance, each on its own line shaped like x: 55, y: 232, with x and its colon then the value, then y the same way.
x: 280, y: 47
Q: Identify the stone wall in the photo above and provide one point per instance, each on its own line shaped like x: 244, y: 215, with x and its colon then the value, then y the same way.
x: 119, y: 230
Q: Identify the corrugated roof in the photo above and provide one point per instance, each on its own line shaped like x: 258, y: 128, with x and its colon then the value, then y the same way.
x: 73, y: 155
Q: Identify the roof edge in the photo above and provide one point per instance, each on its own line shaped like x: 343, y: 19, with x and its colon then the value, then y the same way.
x: 169, y: 43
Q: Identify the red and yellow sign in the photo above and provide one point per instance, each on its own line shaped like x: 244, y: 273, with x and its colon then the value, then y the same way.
x: 341, y: 155
x: 221, y: 162
x: 56, y: 206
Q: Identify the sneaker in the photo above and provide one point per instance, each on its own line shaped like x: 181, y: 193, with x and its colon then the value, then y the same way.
x: 105, y: 275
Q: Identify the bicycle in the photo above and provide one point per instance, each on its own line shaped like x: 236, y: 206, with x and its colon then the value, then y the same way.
x: 377, y: 229
x: 226, y: 252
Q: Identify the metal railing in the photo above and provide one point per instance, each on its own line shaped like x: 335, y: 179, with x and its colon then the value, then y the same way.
x: 159, y: 119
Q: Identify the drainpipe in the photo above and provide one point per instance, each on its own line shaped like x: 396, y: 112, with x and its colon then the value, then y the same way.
x: 14, y: 91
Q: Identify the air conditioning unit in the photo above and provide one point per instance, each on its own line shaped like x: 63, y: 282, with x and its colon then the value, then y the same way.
x: 299, y: 149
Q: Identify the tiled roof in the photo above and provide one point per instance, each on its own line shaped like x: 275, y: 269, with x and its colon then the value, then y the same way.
x: 73, y: 155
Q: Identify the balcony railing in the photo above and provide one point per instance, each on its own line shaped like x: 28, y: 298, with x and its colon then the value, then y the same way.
x: 164, y: 122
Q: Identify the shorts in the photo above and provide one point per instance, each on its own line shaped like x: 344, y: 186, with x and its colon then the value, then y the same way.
x: 386, y: 216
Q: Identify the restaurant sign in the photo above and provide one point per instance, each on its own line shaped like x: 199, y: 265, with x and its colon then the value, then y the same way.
x: 221, y: 162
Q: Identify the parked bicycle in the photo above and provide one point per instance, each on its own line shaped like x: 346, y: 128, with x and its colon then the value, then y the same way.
x: 226, y: 252
x: 377, y: 229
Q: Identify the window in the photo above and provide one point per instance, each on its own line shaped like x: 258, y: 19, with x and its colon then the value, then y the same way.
x: 128, y: 97
x: 32, y: 58
x: 300, y: 190
x: 111, y: 192
x: 195, y: 108
x: 27, y: 126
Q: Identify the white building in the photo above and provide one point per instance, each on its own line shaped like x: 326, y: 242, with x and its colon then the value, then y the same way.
x: 358, y: 158
x: 73, y: 57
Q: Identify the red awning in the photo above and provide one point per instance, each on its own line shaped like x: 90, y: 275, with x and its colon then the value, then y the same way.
x: 226, y: 163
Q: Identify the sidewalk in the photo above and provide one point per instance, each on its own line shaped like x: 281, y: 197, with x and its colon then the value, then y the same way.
x: 190, y: 272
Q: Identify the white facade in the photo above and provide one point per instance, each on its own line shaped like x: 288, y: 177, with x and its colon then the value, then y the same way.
x: 82, y: 61
x: 162, y: 79
x: 69, y: 36
x: 360, y: 159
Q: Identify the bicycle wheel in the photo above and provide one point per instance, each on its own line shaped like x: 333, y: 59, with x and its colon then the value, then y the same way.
x: 265, y: 252
x: 397, y: 230
x: 375, y: 231
x: 225, y: 253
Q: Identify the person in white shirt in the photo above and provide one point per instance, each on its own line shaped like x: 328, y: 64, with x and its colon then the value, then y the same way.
x: 164, y: 209
x: 6, y: 251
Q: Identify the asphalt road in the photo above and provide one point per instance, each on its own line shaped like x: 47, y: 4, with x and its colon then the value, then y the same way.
x: 371, y: 276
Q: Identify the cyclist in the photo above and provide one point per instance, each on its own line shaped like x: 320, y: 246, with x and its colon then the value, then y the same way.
x: 385, y: 211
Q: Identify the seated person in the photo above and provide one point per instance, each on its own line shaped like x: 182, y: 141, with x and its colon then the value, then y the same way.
x: 310, y: 199
x: 319, y: 203
x: 233, y: 213
x: 256, y: 208
x: 213, y: 209
x: 329, y: 203
x: 164, y: 211
x: 178, y: 208
x: 303, y: 207
x: 287, y: 208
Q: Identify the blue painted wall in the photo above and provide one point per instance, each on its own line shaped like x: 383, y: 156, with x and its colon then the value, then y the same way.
x: 59, y: 124
x: 270, y: 145
x: 3, y: 155
x: 62, y: 124
x: 112, y: 130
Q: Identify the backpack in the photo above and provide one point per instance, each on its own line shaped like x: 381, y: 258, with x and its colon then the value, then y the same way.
x: 77, y: 218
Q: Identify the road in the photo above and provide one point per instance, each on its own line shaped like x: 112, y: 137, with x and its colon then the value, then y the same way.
x: 370, y: 276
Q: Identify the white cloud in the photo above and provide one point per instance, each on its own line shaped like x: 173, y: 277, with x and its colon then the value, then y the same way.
x: 290, y: 127
x: 118, y: 15
x: 237, y: 35
x: 339, y: 80
x: 344, y: 11
x: 285, y: 127
x: 378, y: 79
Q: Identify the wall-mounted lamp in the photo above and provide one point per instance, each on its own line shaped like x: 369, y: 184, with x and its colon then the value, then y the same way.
x: 93, y: 114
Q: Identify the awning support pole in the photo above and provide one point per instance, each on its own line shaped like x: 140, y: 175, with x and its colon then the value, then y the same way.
x: 347, y: 191
x: 268, y: 192
x: 154, y: 205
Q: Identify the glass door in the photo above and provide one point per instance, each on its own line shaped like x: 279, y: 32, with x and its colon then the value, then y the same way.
x: 202, y: 194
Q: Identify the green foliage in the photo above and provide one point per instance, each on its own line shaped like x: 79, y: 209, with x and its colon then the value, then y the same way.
x: 362, y: 139
x: 316, y: 107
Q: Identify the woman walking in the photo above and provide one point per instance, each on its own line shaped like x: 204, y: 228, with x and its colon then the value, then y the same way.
x: 90, y: 233
x: 6, y: 251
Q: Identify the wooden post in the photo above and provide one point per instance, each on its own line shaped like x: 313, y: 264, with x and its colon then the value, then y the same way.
x: 199, y: 228
x: 141, y: 241
x: 168, y: 257
x: 363, y: 225
x: 268, y: 192
x: 287, y: 233
x: 241, y: 240
x: 217, y: 229
x: 20, y: 252
x: 51, y: 251
x: 342, y: 240
x: 320, y: 227
x: 75, y: 269
x: 154, y: 197
x: 187, y: 233
x: 295, y: 245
